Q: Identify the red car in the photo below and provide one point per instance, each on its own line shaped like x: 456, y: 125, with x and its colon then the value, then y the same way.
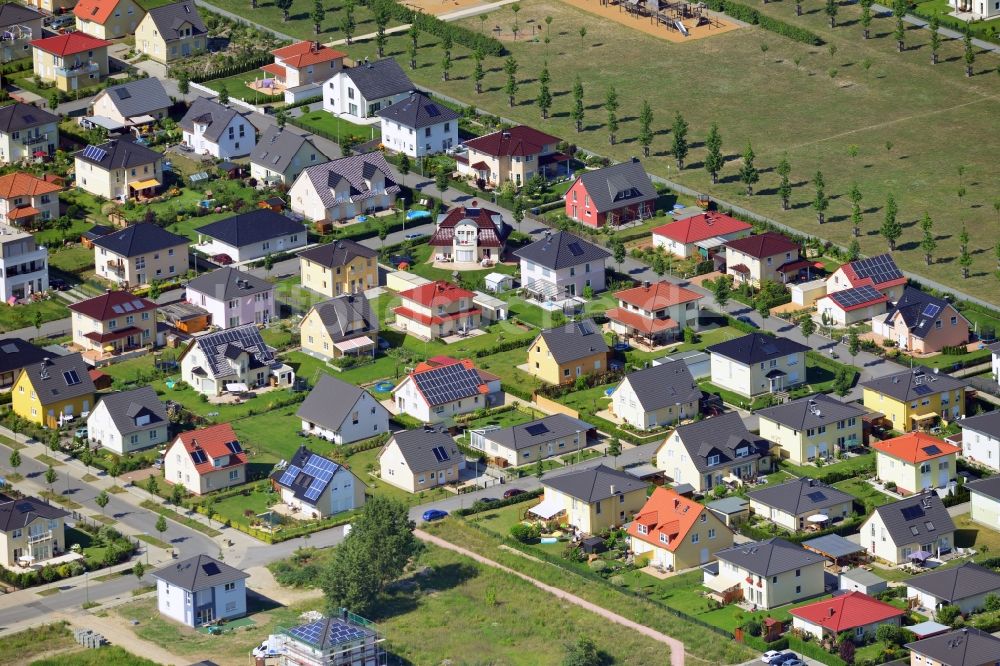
x: 222, y: 259
x: 513, y: 492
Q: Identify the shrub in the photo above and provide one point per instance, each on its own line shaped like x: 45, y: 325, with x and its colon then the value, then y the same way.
x: 524, y: 533
x: 948, y: 614
x: 750, y: 15
x: 753, y: 627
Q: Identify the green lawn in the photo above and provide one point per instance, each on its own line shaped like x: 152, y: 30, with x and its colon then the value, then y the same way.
x: 237, y: 88
x: 272, y: 435
x: 44, y: 639
x: 864, y: 491
x: 300, y: 25
x: 13, y: 317
x: 192, y: 401
x: 336, y: 129
x: 74, y: 259
x: 367, y: 461
x: 108, y: 655
x: 51, y: 237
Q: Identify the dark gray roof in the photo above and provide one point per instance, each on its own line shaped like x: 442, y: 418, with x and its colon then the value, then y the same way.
x: 208, y: 112
x: 139, y: 97
x: 258, y: 225
x: 199, y: 573
x: 721, y: 435
x: 15, y: 353
x: 347, y: 316
x: 811, y: 412
x: 952, y: 585
x: 227, y: 283
x: 418, y: 449
x: 664, y: 385
x: 139, y: 239
x: 915, y: 518
x: 276, y: 148
x: 19, y: 116
x: 618, y: 185
x: 330, y: 402
x: 800, y: 496
x: 379, y: 78
x: 229, y: 344
x: 963, y: 647
x: 729, y: 505
x: 358, y: 170
x: 337, y: 253
x: 575, y: 340
x: 769, y: 558
x: 418, y: 111
x: 20, y: 512
x: 562, y: 250
x: 987, y: 423
x: 12, y: 13
x: 594, y: 484
x: 757, y: 347
x: 989, y: 487
x: 127, y: 406
x: 914, y: 383
x: 538, y: 432
x: 169, y: 18
x: 60, y: 378
x: 919, y: 311
x: 120, y: 153
x: 834, y: 545
x: 307, y: 475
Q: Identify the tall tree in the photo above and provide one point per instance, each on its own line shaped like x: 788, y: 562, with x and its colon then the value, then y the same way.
x: 713, y: 155
x: 317, y: 16
x: 161, y: 524
x: 970, y: 52
x: 414, y: 34
x: 50, y: 477
x: 866, y: 18
x: 510, y: 89
x: 820, y: 202
x: 891, y: 228
x: 381, y: 16
x: 15, y: 459
x: 784, y: 170
x: 853, y: 344
x: 899, y: 8
x: 831, y: 12
x: 934, y: 27
x: 748, y: 172
x: 927, y: 243
x: 854, y: 250
x: 441, y: 182
x: 856, y: 219
x: 183, y: 82
x: 680, y: 147
x: 284, y: 6
x: 645, y: 127
x: 477, y: 72
x: 544, y: 94
x: 223, y: 94
x: 807, y: 327
x: 964, y: 256
x: 446, y: 46
x: 577, y: 113
x: 347, y: 23
x: 721, y: 291
x: 102, y: 500
x: 518, y: 212
x: 611, y: 106
x: 618, y: 250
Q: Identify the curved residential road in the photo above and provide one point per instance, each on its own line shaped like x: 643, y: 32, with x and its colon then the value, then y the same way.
x: 676, y: 647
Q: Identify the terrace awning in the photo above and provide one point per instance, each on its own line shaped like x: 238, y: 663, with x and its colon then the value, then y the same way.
x: 237, y: 387
x: 24, y: 211
x: 547, y: 508
x: 144, y: 184
x: 354, y: 344
x: 925, y: 416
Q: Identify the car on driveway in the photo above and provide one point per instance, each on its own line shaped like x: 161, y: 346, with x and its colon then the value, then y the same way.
x: 513, y: 492
x: 784, y: 658
x: 793, y: 662
x: 58, y: 284
x: 415, y: 234
x: 434, y: 514
x: 769, y: 655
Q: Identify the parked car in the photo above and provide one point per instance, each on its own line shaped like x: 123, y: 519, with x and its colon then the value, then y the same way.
x: 512, y: 492
x: 81, y: 433
x: 415, y: 234
x: 769, y: 655
x: 793, y: 662
x: 434, y: 514
x: 222, y: 259
x: 398, y: 259
x: 58, y: 284
x: 784, y: 658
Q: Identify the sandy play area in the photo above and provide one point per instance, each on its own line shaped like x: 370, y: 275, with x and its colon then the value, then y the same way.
x: 439, y: 7
x: 717, y: 24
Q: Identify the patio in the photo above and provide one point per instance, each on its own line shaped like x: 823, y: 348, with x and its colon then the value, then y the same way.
x: 65, y: 558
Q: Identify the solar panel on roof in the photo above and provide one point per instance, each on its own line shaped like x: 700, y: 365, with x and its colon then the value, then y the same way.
x: 575, y: 248
x: 71, y: 377
x: 198, y: 456
x: 94, y: 153
x: 448, y: 383
x: 931, y: 310
x: 432, y: 110
x: 816, y: 496
x: 851, y: 297
x: 912, y: 512
x: 536, y: 429
x: 288, y: 477
x: 123, y: 93
x: 234, y: 447
x: 439, y: 453
x: 932, y: 450
x: 29, y: 117
x: 211, y: 568
x: 922, y: 389
x: 8, y: 348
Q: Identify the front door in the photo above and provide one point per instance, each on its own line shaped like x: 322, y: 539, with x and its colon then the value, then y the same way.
x: 704, y: 555
x: 943, y: 477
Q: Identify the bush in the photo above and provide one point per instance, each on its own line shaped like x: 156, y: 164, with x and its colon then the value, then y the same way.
x: 750, y: 15
x: 524, y: 533
x: 435, y: 26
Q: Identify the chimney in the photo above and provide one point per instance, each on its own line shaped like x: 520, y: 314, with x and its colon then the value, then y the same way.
x: 613, y: 489
x: 831, y: 611
x: 646, y: 285
x: 314, y: 47
x: 677, y: 502
x: 635, y: 160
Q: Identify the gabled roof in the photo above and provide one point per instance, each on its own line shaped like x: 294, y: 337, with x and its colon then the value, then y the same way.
x: 957, y: 583
x: 20, y: 512
x: 594, y: 484
x: 139, y: 239
x: 987, y: 423
x: 127, y: 406
x: 59, y: 378
x: 200, y: 572
x: 963, y: 647
x: 69, y: 43
x: 139, y: 97
x: 303, y: 54
x: 168, y: 19
x: 218, y: 442
x: 800, y: 496
x: 914, y: 383
x: 330, y: 402
x: 215, y: 116
x: 988, y: 486
x: 618, y: 185
x: 357, y: 170
x: 112, y: 305
x: 436, y: 293
x: 915, y: 518
x: 427, y: 449
x: 348, y: 315
x: 847, y: 611
x: 13, y: 13
x: 229, y: 343
x: 516, y: 141
x: 856, y: 298
x: 919, y: 310
x: 575, y: 340
x: 307, y: 475
x: 329, y: 632
x: 378, y: 79
x: 21, y: 184
x: 764, y: 245
x: 538, y: 431
x: 441, y: 384
x: 492, y: 231
x: 757, y: 347
x: 663, y: 385
x: 811, y: 412
x: 95, y: 11
x: 916, y: 447
x: 227, y: 283
x: 769, y: 558
x: 666, y: 512
x: 121, y: 153
x: 879, y: 271
x: 277, y: 147
x: 701, y: 227
x: 19, y: 116
x: 723, y: 435
x: 337, y: 253
x: 656, y: 296
x: 250, y: 228
x: 16, y: 353
x: 417, y: 112
x: 562, y: 250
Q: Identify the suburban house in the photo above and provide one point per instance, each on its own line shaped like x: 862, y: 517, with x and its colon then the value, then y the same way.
x: 591, y: 500
x: 345, y: 188
x: 995, y: 360
x: 985, y: 501
x: 533, y: 441
x: 879, y: 272
x: 342, y: 326
x: 915, y: 398
x: 674, y: 533
x: 981, y: 439
x: 15, y: 354
x: 965, y: 586
x: 517, y: 154
x: 916, y: 525
x: 436, y: 310
x: 852, y: 306
x: 52, y: 6
x: 358, y: 93
x: 27, y: 132
x: 701, y: 235
x: 22, y: 24
x: 134, y: 103
x: 53, y: 392
x: 220, y: 131
x: 658, y: 396
x: 854, y: 612
x: 768, y: 573
x: 200, y: 590
x: 974, y: 10
x: 31, y: 531
x: 817, y: 426
x: 108, y: 19
x: 923, y: 324
x: 559, y: 355
x: 417, y: 460
x: 129, y: 421
x: 24, y: 265
x: 318, y: 487
x: 714, y: 451
x: 113, y: 323
x: 120, y: 169
x: 967, y: 646
x: 758, y: 363
x: 768, y: 256
x: 26, y: 200
x: 206, y: 459
x: 345, y: 636
x: 340, y: 267
x: 470, y: 235
x: 70, y: 61
x: 171, y: 32
x: 342, y: 413
x: 140, y: 254
x: 562, y: 265
x: 798, y: 503
x: 915, y: 462
x: 418, y: 126
x: 614, y: 195
x: 251, y: 235
x: 281, y: 154
x: 232, y: 298
x: 232, y: 360
x: 304, y: 64
x: 654, y: 314
x: 443, y: 387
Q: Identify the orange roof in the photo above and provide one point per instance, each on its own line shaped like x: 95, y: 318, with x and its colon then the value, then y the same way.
x: 666, y: 512
x: 70, y: 43
x: 855, y: 609
x: 24, y: 185
x: 24, y: 211
x: 916, y: 447
x: 428, y: 320
x: 701, y: 227
x: 302, y: 54
x: 275, y: 69
x: 213, y: 442
x: 656, y: 296
x: 647, y: 325
x: 436, y: 293
x: 97, y: 11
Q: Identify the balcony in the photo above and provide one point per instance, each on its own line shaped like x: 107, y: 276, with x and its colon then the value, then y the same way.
x: 76, y: 70
x: 32, y: 140
x: 38, y: 538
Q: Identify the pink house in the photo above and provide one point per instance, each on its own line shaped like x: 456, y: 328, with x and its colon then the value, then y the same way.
x: 614, y: 195
x: 922, y: 324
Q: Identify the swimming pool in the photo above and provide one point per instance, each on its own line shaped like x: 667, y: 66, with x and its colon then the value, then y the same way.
x: 417, y: 214
x: 549, y: 540
x: 383, y: 387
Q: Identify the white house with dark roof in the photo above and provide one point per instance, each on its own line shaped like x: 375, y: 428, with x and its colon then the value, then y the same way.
x: 443, y: 387
x: 813, y: 427
x: 965, y: 586
x: 792, y: 504
x: 25, y: 131
x: 232, y: 297
x: 769, y: 573
x: 342, y: 413
x: 133, y: 103
x: 200, y: 590
x: 562, y: 265
x: 418, y: 126
x: 252, y: 235
x: 232, y: 360
x: 963, y: 647
x: 345, y: 188
x: 358, y: 93
x: 317, y: 487
x: 916, y: 524
x: 129, y: 421
x: 985, y: 501
x: 281, y: 154
x: 119, y: 169
x: 657, y: 396
x: 421, y: 459
x: 533, y: 441
x: 470, y: 234
x: 209, y: 128
x: 758, y: 363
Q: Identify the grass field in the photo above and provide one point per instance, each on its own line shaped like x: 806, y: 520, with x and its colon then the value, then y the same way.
x: 784, y: 101
x: 299, y: 25
x: 13, y: 317
x: 109, y: 655
x: 336, y: 129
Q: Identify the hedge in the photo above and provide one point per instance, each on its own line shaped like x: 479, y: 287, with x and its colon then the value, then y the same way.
x: 435, y: 26
x: 815, y: 651
x: 844, y: 528
x: 480, y: 506
x: 506, y: 345
x: 248, y: 64
x: 750, y: 15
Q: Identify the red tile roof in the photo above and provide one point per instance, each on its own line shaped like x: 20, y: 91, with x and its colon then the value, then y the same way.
x: 25, y: 185
x: 117, y: 334
x: 846, y: 612
x: 639, y: 322
x: 701, y: 227
x: 212, y: 441
x: 426, y: 320
x: 764, y: 245
x: 521, y: 140
x: 275, y: 69
x: 916, y: 447
x: 24, y: 211
x: 302, y: 54
x: 491, y: 232
x: 436, y: 293
x: 666, y: 512
x: 656, y: 296
x: 70, y: 43
x: 96, y: 11
x: 103, y: 307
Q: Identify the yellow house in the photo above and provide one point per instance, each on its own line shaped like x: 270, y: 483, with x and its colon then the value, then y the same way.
x: 676, y: 533
x: 54, y: 391
x: 768, y: 573
x: 71, y: 61
x: 31, y: 531
x: 172, y: 32
x: 916, y: 398
x: 341, y: 267
x: 916, y: 462
x: 592, y: 500
x: 813, y: 427
x: 560, y: 355
x: 341, y: 326
x: 108, y: 19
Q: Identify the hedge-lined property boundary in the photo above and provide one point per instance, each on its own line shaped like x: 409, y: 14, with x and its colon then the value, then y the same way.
x: 750, y: 15
x: 435, y: 26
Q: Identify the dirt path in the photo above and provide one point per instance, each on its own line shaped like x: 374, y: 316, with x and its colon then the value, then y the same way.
x: 123, y: 637
x: 676, y: 647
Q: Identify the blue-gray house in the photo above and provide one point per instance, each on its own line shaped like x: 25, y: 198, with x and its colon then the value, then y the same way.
x: 201, y: 590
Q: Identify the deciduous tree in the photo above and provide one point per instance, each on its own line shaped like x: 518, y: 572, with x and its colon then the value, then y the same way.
x: 414, y: 34
x: 891, y: 228
x: 611, y: 106
x: 784, y: 170
x: 934, y: 27
x: 317, y: 16
x: 927, y: 243
x: 284, y: 6
x: 969, y: 51
x: 477, y: 72
x: 820, y: 201
x: 510, y: 89
x: 714, y: 160
x: 964, y: 256
x: 645, y: 127
x: 856, y: 218
x: 544, y: 94
x: 680, y: 146
x: 748, y: 172
x: 577, y: 112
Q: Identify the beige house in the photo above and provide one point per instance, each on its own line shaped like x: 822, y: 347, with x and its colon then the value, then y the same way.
x: 436, y: 310
x: 108, y: 19
x: 919, y: 523
x: 205, y: 460
x: 758, y: 363
x: 119, y: 169
x: 985, y: 501
x: 516, y: 154
x: 316, y: 487
x: 591, y: 500
x: 967, y: 646
x: 140, y: 254
x: 675, y: 533
x: 768, y: 573
x: 114, y: 323
x: 26, y: 131
x: 767, y: 256
x: 417, y: 460
x: 172, y: 32
x: 796, y: 504
x: 916, y: 462
x: 22, y: 24
x: 71, y: 61
x: 658, y: 396
x: 133, y: 103
x: 340, y: 267
x: 31, y: 531
x: 530, y: 442
x: 817, y: 426
x: 559, y: 355
x: 342, y: 326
